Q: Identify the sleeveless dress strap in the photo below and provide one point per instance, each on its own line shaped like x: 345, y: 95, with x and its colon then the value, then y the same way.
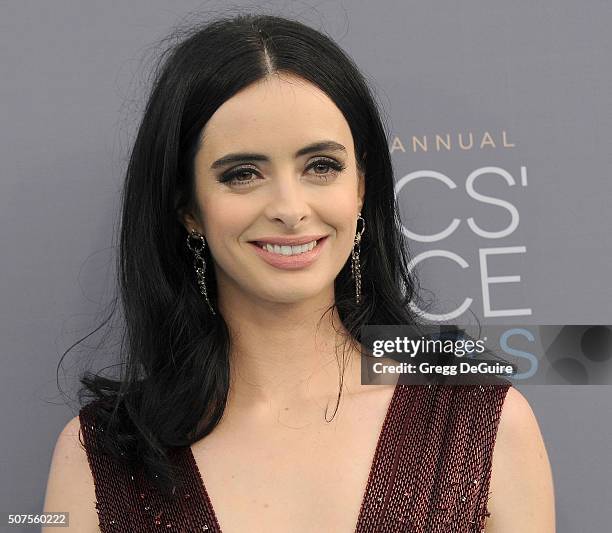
x: 432, y: 471
x: 128, y: 502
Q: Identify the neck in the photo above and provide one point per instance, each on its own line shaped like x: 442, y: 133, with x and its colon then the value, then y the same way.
x: 287, y: 355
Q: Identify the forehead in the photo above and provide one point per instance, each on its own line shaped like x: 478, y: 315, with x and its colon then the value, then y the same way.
x: 278, y: 114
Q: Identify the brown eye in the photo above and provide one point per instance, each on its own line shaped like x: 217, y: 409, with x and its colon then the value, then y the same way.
x: 326, y: 164
x: 236, y: 176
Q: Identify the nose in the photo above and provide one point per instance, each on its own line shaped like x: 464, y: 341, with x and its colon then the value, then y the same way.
x: 289, y: 201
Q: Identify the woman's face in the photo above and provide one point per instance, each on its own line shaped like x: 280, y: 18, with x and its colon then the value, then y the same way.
x: 277, y: 189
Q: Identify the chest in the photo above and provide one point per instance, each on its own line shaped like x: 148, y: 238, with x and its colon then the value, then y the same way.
x: 280, y: 477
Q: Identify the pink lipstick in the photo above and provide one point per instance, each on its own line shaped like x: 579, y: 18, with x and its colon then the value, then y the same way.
x: 293, y: 261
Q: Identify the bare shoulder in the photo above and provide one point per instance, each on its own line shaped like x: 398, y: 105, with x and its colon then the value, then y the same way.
x: 521, y: 489
x: 70, y: 486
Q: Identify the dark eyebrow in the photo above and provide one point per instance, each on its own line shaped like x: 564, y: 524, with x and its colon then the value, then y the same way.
x: 314, y: 147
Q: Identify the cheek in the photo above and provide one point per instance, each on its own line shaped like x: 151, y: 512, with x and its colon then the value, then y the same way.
x: 225, y: 220
x: 341, y: 210
x: 341, y: 215
x: 224, y: 216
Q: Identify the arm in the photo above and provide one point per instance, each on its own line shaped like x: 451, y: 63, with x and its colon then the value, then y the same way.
x: 70, y: 486
x: 521, y: 489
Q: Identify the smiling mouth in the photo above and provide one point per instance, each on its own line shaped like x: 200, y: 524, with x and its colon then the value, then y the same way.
x: 288, y: 250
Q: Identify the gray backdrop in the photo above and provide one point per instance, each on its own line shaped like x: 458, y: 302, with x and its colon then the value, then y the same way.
x: 531, y: 81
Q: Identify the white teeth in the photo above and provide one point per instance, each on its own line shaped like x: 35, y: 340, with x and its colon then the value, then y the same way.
x: 289, y: 250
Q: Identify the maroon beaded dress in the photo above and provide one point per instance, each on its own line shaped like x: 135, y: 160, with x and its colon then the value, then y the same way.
x: 430, y: 472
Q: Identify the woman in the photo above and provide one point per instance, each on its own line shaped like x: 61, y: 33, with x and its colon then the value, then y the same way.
x: 259, y: 233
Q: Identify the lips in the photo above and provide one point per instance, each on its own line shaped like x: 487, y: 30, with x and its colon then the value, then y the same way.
x: 291, y: 262
x: 288, y: 241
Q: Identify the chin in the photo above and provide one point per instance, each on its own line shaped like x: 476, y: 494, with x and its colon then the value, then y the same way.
x: 287, y: 296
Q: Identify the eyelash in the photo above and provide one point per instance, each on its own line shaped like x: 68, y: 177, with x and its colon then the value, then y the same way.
x: 230, y: 177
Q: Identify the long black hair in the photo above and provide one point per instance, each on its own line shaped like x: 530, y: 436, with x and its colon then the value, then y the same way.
x: 174, y: 353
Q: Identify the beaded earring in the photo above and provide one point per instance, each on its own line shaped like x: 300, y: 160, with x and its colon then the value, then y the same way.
x: 196, y: 243
x: 355, y: 263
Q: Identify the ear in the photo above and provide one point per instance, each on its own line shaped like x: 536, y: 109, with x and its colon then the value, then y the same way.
x: 360, y: 190
x: 188, y: 221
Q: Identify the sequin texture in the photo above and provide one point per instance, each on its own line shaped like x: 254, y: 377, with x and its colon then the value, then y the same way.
x: 430, y: 472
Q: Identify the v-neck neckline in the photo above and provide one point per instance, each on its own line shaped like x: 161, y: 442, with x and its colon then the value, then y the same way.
x: 382, y: 437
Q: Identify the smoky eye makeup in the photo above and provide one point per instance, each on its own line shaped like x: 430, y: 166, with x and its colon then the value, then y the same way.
x: 246, y: 175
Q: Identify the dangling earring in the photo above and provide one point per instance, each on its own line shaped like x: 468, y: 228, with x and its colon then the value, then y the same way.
x: 355, y: 263
x: 199, y: 263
